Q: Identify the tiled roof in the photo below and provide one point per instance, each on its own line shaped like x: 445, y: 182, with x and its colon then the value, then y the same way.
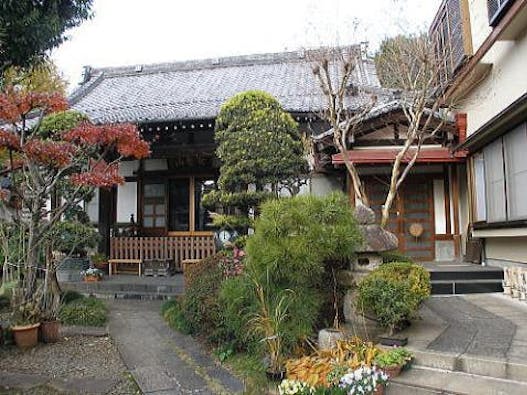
x: 196, y: 89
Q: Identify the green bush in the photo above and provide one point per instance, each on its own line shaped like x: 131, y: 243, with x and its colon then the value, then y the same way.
x: 4, y: 302
x: 84, y: 312
x: 389, y: 257
x: 393, y: 293
x: 171, y: 311
x: 416, y: 275
x: 294, y: 244
x: 70, y: 296
x: 200, y: 306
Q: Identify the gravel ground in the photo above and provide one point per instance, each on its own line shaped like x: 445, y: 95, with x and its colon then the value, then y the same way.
x: 73, y: 357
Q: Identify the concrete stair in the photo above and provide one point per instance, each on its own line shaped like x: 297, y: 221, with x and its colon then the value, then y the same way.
x: 466, y: 280
x: 446, y: 373
x: 130, y: 287
x: 429, y: 381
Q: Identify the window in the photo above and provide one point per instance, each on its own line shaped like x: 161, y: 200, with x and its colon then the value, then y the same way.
x: 179, y: 205
x: 154, y: 206
x: 516, y: 170
x: 479, y: 188
x: 500, y: 178
x: 451, y: 37
x: 495, y: 180
x: 497, y: 9
x: 174, y: 204
x: 202, y: 217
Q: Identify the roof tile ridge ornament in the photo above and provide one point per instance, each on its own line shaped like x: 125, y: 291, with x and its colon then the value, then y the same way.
x: 91, y: 78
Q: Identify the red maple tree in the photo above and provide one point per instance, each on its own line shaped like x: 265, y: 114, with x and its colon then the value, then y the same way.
x: 38, y: 162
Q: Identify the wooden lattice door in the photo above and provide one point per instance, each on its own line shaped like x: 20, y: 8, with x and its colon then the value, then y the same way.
x: 413, y: 204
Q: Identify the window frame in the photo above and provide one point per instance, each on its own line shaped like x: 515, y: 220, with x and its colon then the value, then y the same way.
x: 509, y: 220
x: 495, y: 18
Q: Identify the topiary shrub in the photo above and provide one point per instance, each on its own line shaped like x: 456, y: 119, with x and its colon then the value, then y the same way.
x: 416, y: 275
x: 84, y: 312
x: 393, y: 293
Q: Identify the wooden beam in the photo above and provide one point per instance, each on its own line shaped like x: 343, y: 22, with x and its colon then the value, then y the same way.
x: 387, y: 155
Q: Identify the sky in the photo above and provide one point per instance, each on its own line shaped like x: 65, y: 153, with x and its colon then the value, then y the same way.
x: 126, y: 32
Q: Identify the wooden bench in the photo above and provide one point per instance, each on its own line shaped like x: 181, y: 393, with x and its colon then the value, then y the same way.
x: 155, y: 255
x: 113, y: 265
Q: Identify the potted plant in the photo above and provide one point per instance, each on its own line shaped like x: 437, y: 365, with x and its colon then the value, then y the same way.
x: 393, y: 361
x: 364, y: 380
x: 50, y: 323
x: 26, y: 315
x: 72, y: 239
x: 99, y: 261
x: 268, y: 323
x: 92, y: 275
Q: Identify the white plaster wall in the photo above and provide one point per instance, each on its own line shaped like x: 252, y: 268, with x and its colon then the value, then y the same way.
x: 92, y: 207
x: 127, y: 168
x: 156, y: 164
x: 126, y: 201
x: 505, y: 83
x: 322, y: 185
x: 512, y: 249
x: 479, y: 22
x: 439, y: 207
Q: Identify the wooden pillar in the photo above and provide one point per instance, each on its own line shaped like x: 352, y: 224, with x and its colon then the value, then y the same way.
x: 106, y: 203
x: 192, y: 204
x: 446, y: 180
x: 455, y: 206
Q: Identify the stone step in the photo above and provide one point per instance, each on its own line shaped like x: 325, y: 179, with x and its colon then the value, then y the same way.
x: 129, y: 295
x: 474, y: 365
x: 427, y: 381
x: 482, y: 273
x: 464, y: 286
x: 130, y: 290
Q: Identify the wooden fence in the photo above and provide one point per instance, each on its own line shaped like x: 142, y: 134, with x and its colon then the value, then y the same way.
x: 175, y: 248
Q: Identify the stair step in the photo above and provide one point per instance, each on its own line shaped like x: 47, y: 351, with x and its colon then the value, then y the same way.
x: 422, y: 380
x: 453, y: 287
x: 483, y: 274
x: 515, y: 370
x: 129, y: 295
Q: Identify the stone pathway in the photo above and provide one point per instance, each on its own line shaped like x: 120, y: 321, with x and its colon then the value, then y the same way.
x: 471, y: 330
x: 161, y: 360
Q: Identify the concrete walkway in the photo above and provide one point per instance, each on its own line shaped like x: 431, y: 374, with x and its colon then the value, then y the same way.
x: 161, y: 360
x: 482, y: 334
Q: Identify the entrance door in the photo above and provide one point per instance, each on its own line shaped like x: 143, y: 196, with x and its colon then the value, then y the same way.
x: 413, y: 205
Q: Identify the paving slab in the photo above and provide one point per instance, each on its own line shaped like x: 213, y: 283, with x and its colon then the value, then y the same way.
x: 161, y: 360
x: 21, y: 381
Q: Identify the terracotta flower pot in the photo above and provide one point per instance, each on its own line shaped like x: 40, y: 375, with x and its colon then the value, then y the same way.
x: 26, y: 336
x: 50, y: 331
x: 379, y: 390
x: 91, y: 279
x: 393, y: 371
